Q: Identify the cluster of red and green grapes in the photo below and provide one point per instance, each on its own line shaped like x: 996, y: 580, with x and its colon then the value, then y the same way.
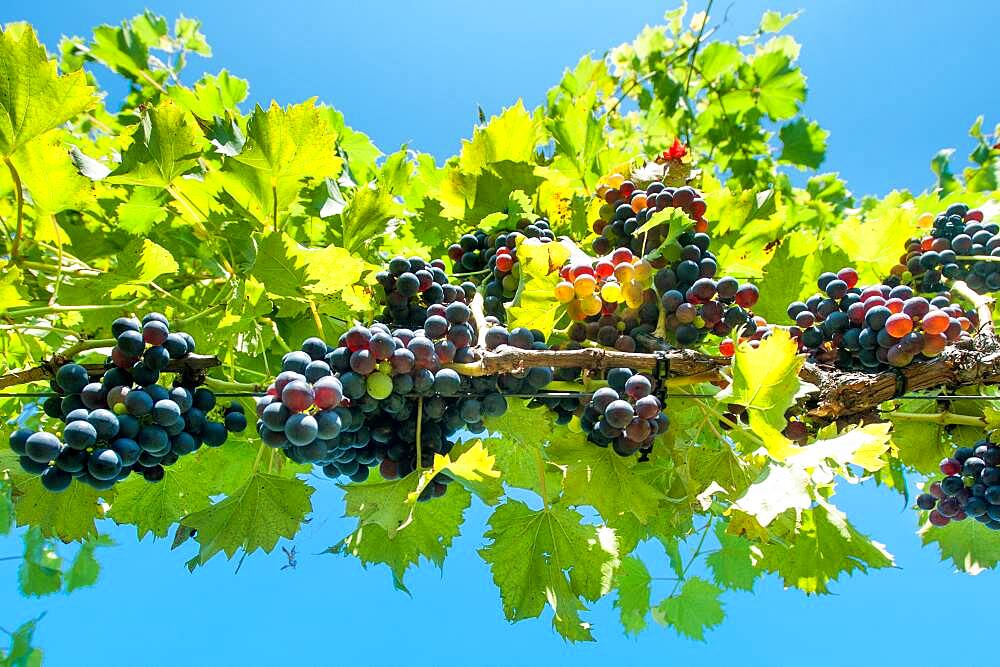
x: 627, y: 208
x: 960, y: 246
x: 358, y: 404
x: 412, y: 285
x: 609, y: 300
x: 625, y: 414
x: 970, y: 488
x: 874, y: 327
x: 496, y: 256
x: 126, y: 422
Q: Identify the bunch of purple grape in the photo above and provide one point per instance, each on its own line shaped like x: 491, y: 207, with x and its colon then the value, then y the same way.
x: 126, y: 422
x: 697, y: 303
x: 960, y: 246
x: 625, y: 414
x: 970, y: 488
x: 365, y: 401
x: 412, y: 285
x: 874, y: 327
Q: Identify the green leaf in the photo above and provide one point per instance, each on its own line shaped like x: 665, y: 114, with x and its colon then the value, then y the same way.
x: 734, y: 564
x: 188, y: 488
x: 49, y: 175
x: 266, y: 508
x: 632, y: 581
x: 40, y: 572
x: 381, y: 503
x: 534, y: 304
x: 284, y: 147
x: 781, y: 88
x: 782, y: 488
x: 773, y: 21
x: 432, y: 528
x: 693, y: 610
x: 519, y: 449
x: 125, y: 49
x: 143, y: 210
x: 85, y: 568
x: 509, y: 136
x: 864, y: 446
x: 718, y: 58
x: 139, y: 263
x: 803, y: 143
x: 68, y: 515
x: 970, y: 545
x: 822, y: 547
x: 165, y: 145
x: 766, y: 381
x: 21, y: 652
x: 212, y: 95
x: 34, y: 98
x: 548, y: 556
x: 865, y: 238
x: 599, y: 477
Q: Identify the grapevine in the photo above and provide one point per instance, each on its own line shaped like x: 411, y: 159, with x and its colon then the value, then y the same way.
x: 604, y: 349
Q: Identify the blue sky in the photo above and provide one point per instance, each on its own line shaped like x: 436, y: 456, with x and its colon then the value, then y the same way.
x: 893, y: 81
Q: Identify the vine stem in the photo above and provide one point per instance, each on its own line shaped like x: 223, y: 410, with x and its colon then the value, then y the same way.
x: 225, y: 385
x: 200, y: 314
x: 57, y: 308
x: 85, y: 345
x: 940, y: 418
x: 19, y: 194
x: 540, y: 465
x: 694, y: 555
x: 420, y: 422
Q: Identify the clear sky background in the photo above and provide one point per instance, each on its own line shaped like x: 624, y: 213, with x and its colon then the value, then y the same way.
x: 894, y: 81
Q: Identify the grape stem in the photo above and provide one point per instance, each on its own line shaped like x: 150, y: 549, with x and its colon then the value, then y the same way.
x: 19, y: 193
x: 225, y: 385
x: 85, y: 345
x: 694, y: 556
x: 940, y: 418
x: 420, y: 421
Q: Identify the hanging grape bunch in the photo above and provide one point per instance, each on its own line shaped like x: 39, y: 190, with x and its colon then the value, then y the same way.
x: 368, y: 400
x: 874, y: 327
x: 970, y: 488
x: 609, y: 300
x: 627, y: 207
x: 960, y: 246
x: 625, y: 414
x: 411, y: 285
x: 126, y: 422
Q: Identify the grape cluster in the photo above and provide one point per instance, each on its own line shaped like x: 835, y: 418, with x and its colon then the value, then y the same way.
x: 126, y: 422
x: 696, y: 303
x: 609, y: 300
x: 874, y: 327
x: 627, y: 208
x: 957, y: 236
x: 625, y: 414
x: 970, y: 488
x: 412, y: 285
x: 365, y: 401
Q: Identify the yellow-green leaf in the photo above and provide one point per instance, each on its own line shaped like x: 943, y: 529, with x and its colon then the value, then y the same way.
x: 34, y: 98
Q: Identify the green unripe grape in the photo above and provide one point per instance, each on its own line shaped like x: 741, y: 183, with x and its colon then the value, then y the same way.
x: 379, y: 385
x: 509, y: 282
x: 119, y: 408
